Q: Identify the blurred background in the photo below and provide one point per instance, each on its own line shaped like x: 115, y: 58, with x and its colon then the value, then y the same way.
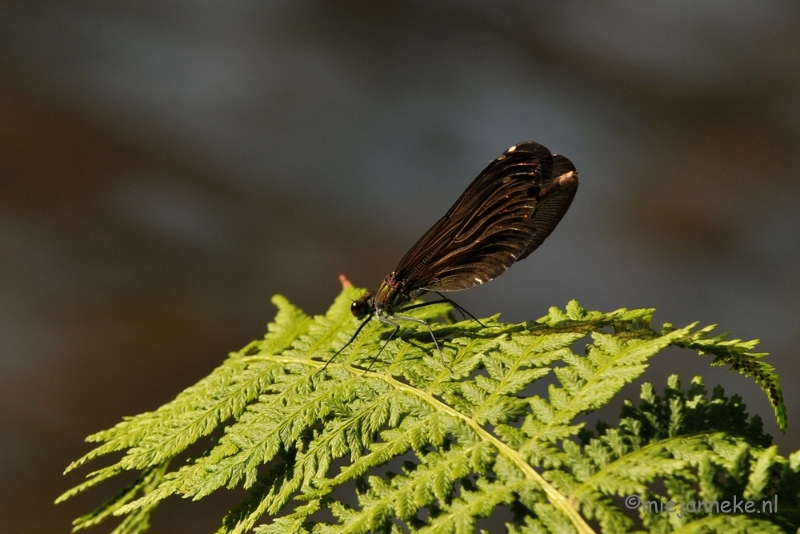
x: 166, y: 167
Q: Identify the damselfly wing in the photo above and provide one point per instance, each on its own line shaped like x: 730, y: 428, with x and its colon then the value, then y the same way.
x: 503, y: 216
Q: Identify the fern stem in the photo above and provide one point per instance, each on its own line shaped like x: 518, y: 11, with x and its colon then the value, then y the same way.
x: 553, y: 495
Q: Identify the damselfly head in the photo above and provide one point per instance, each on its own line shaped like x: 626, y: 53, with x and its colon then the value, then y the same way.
x: 361, y: 308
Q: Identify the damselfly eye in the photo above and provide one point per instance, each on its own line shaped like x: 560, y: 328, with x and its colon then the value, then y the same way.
x: 359, y: 308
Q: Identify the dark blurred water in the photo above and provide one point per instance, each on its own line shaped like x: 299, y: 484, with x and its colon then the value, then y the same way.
x: 165, y: 167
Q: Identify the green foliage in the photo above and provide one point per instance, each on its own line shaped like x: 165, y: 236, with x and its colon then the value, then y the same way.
x: 432, y: 442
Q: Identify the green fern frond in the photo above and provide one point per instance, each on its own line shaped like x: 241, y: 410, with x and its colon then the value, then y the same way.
x: 470, y: 438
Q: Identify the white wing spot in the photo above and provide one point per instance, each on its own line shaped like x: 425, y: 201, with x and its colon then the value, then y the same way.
x: 506, y: 179
x: 478, y: 280
x: 512, y: 149
x: 501, y: 157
